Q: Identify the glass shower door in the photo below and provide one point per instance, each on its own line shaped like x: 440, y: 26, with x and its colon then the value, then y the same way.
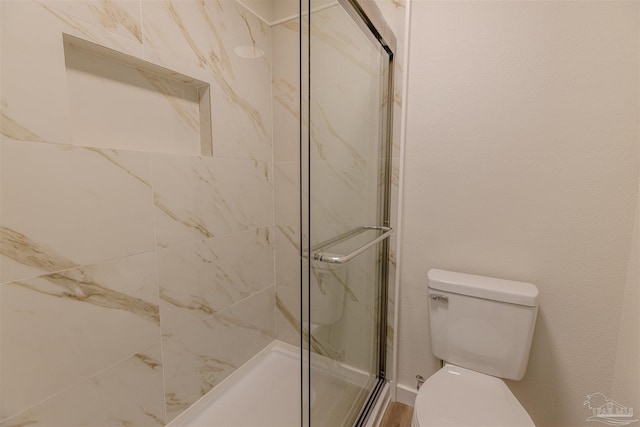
x: 345, y: 176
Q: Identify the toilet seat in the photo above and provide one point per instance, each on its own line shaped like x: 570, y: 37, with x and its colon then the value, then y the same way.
x: 456, y: 396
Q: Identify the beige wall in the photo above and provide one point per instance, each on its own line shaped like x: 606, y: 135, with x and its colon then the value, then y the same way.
x: 522, y: 163
x: 626, y: 379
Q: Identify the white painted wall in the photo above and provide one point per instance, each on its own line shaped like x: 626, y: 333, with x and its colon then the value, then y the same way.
x: 522, y: 162
x: 626, y: 379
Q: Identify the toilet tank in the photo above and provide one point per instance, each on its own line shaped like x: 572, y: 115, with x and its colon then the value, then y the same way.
x: 482, y: 323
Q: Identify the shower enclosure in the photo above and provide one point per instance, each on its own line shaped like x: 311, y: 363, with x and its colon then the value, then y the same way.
x: 194, y: 212
x: 347, y: 95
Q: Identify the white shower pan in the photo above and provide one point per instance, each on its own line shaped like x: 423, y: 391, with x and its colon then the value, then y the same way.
x: 265, y: 392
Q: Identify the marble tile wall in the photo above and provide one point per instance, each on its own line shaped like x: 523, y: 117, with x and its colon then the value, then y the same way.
x: 175, y: 250
x: 98, y: 86
x: 133, y: 277
x: 286, y: 154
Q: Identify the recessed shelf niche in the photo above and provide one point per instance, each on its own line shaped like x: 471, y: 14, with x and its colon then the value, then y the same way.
x: 122, y: 102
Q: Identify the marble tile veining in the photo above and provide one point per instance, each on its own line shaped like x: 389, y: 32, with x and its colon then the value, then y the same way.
x: 287, y: 316
x: 66, y: 210
x: 34, y: 98
x: 287, y: 244
x: 241, y: 95
x: 127, y: 394
x: 286, y: 154
x: 21, y: 249
x: 102, y: 250
x: 287, y: 269
x: 121, y: 17
x: 76, y: 285
x: 334, y: 132
x: 77, y: 188
x: 195, y: 361
x: 286, y: 146
x: 286, y: 186
x: 336, y: 39
x: 339, y: 199
x: 199, y: 198
x: 204, y: 278
x: 286, y: 56
x: 285, y: 83
x: 61, y: 328
x: 12, y: 129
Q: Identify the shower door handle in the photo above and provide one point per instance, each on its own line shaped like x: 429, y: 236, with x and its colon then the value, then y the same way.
x: 341, y: 259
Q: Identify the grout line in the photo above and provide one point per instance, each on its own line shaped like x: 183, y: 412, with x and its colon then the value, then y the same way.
x: 80, y: 382
x: 253, y: 12
x: 292, y: 17
x: 77, y: 267
x: 273, y: 187
x: 178, y: 330
x: 157, y: 281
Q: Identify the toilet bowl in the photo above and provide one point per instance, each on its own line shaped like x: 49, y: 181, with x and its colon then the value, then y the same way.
x: 456, y: 396
x: 482, y: 329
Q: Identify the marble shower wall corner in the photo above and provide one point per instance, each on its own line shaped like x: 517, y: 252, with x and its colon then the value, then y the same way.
x: 287, y: 272
x: 285, y: 98
x: 195, y: 362
x: 117, y: 248
x: 286, y: 154
x: 198, y: 280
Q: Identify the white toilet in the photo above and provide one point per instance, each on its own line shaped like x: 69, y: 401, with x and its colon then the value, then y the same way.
x: 481, y: 328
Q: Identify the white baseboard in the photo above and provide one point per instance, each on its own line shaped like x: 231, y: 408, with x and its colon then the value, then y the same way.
x: 406, y: 394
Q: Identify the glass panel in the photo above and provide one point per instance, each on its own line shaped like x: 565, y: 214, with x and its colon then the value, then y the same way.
x: 345, y: 179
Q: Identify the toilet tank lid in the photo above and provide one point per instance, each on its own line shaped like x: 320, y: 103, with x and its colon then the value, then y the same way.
x: 490, y: 288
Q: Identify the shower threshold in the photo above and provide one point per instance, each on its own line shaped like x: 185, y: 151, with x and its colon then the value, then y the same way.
x: 265, y: 391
